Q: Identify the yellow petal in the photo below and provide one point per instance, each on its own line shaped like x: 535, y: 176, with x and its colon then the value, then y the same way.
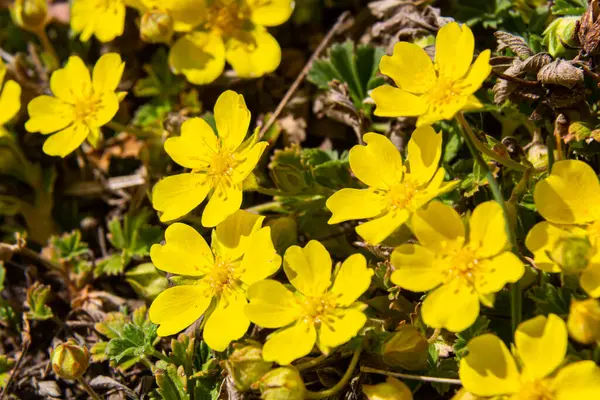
x: 10, y: 101
x: 462, y: 314
x: 577, y: 381
x: 352, y: 280
x: 444, y: 111
x: 232, y: 118
x: 279, y: 346
x: 107, y: 108
x: 186, y: 14
x: 498, y: 271
x: 414, y: 268
x: 391, y: 389
x: 232, y: 237
x: 343, y: 205
x: 225, y: 200
x: 270, y: 13
x: 394, y: 102
x: 227, y: 322
x: 248, y: 160
x: 107, y: 73
x: 378, y: 163
x: 439, y: 228
x: 541, y: 240
x: 185, y: 252
x: 72, y: 83
x: 261, y: 260
x: 410, y: 67
x: 454, y: 46
x: 590, y: 280
x: 64, y: 142
x: 104, y: 19
x: 478, y: 73
x: 178, y: 307
x: 541, y: 345
x: 253, y: 53
x: 489, y: 369
x: 177, y: 195
x: 340, y: 328
x: 199, y: 56
x: 48, y: 114
x: 487, y: 232
x: 377, y: 230
x: 196, y: 145
x: 308, y: 268
x: 424, y: 151
x: 271, y: 304
x: 570, y: 195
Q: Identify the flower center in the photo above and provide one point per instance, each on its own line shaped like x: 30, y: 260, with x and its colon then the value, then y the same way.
x: 226, y: 16
x: 401, y: 195
x: 445, y: 92
x: 462, y: 265
x: 537, y: 390
x: 221, y: 277
x: 222, y: 164
x: 87, y: 108
x: 319, y: 310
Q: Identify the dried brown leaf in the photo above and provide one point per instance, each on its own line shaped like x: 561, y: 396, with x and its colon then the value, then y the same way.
x: 560, y: 72
x: 515, y: 43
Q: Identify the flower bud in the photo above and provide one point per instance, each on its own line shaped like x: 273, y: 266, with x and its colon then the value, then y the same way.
x: 559, y: 32
x: 572, y: 254
x: 537, y: 155
x: 584, y: 321
x: 156, y: 26
x: 289, y: 172
x: 246, y: 366
x: 70, y: 361
x: 391, y: 389
x: 30, y: 14
x: 283, y: 383
x: 406, y: 349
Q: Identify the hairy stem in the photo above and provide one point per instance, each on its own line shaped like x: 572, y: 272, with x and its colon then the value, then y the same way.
x: 88, y: 389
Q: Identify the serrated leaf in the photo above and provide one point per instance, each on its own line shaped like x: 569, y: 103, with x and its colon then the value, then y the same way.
x: 37, y: 296
x: 171, y: 383
x: 68, y: 246
x: 569, y: 7
x: 135, y: 341
x: 160, y: 81
x: 112, y: 325
x: 111, y: 266
x: 550, y: 299
x: 146, y: 280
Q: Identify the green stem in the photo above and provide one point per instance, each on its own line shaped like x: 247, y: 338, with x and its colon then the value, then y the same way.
x: 515, y: 294
x: 550, y: 145
x: 341, y: 384
x: 88, y: 389
x: 117, y: 126
x: 265, y: 207
x: 160, y: 356
x: 311, y: 363
x: 48, y: 47
x: 412, y: 377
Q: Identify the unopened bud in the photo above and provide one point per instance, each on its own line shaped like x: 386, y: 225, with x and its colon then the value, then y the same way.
x: 584, y: 321
x: 537, y: 155
x: 406, y: 349
x: 559, y: 36
x: 572, y: 254
x: 391, y: 389
x: 246, y: 366
x: 30, y: 14
x: 156, y: 26
x: 283, y: 383
x: 69, y: 360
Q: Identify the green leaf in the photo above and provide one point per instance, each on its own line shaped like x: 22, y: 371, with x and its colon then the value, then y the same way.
x: 550, y: 299
x: 6, y: 364
x: 134, y: 341
x: 111, y: 266
x: 172, y: 383
x: 146, y: 280
x: 569, y: 7
x: 357, y: 67
x: 160, y: 82
x: 2, y: 275
x: 150, y: 116
x: 37, y: 296
x: 68, y: 246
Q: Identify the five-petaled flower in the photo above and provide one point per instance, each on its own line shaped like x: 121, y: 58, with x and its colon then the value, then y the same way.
x: 10, y: 97
x: 104, y: 19
x: 569, y: 240
x: 242, y: 253
x: 232, y: 31
x: 541, y: 346
x: 318, y: 312
x: 433, y: 91
x: 82, y: 104
x: 461, y: 273
x: 219, y: 164
x: 395, y: 190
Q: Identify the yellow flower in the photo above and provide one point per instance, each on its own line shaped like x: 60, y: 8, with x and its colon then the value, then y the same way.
x: 104, y: 19
x: 232, y: 31
x: 318, y: 312
x: 10, y: 97
x: 186, y: 14
x: 569, y: 240
x: 391, y: 389
x: 395, y: 191
x: 219, y: 164
x: 540, y: 346
x: 242, y: 253
x: 461, y: 273
x: 82, y: 104
x: 433, y: 91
